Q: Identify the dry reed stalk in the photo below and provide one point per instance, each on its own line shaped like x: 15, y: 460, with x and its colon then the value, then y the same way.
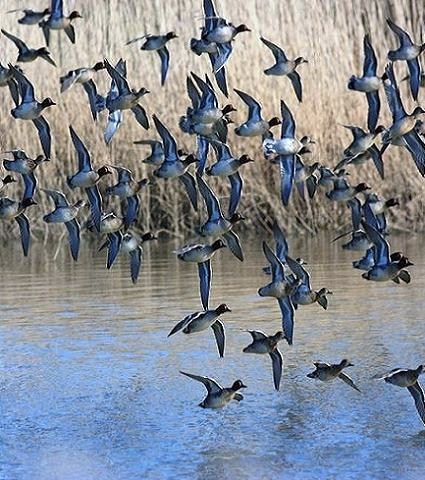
x: 328, y: 33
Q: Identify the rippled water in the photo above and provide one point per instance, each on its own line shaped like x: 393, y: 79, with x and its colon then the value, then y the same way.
x: 90, y: 389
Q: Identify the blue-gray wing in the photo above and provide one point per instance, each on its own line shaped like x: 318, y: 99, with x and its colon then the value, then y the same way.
x: 95, y: 201
x: 205, y: 274
x: 114, y: 246
x: 74, y: 237
x: 296, y: 83
x: 287, y: 310
x: 44, y: 134
x: 220, y: 337
x: 164, y: 55
x: 190, y: 185
x: 287, y: 174
x: 135, y: 263
x: 374, y: 109
x: 24, y: 228
x: 234, y: 244
x: 236, y: 185
x: 30, y: 185
x: 415, y: 76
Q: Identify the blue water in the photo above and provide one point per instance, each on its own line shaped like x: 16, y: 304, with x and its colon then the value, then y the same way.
x: 90, y: 385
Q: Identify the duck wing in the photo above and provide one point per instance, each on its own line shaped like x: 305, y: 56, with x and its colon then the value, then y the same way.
x: 190, y: 185
x: 287, y: 165
x: 277, y: 52
x: 382, y: 252
x: 22, y: 47
x: 220, y: 337
x: 370, y: 64
x: 44, y: 135
x: 186, y: 320
x: 374, y: 104
x: 403, y: 36
x: 257, y: 334
x: 277, y: 270
x: 415, y: 76
x: 24, y: 228
x: 91, y: 91
x: 118, y: 78
x: 95, y: 201
x: 74, y: 237
x: 418, y: 396
x: 30, y: 183
x: 234, y: 244
x: 210, y: 199
x: 277, y: 365
x: 141, y: 116
x: 211, y: 385
x: 164, y: 55
x: 287, y: 310
x: 58, y: 197
x: 135, y: 263
x: 288, y: 122
x: 84, y: 161
x: 236, y: 185
x: 70, y: 32
x: 205, y: 276
x: 254, y: 108
x: 296, y: 83
x: 26, y: 88
x: 168, y: 141
x: 393, y: 94
x: 416, y: 148
x: 114, y: 247
x: 344, y: 377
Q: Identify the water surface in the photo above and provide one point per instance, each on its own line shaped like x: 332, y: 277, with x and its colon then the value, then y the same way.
x: 90, y: 385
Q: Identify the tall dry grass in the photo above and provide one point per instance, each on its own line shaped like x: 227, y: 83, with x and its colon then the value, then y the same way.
x: 328, y: 33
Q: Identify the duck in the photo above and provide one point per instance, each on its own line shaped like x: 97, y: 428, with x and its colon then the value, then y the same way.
x: 403, y: 127
x: 408, y: 378
x: 362, y: 141
x: 409, y: 52
x: 127, y: 99
x: 222, y: 33
x: 66, y: 213
x: 30, y: 109
x: 31, y: 17
x: 369, y: 83
x: 130, y: 243
x: 342, y: 191
x: 286, y: 148
x: 14, y: 209
x: 385, y: 268
x: 58, y: 21
x: 304, y: 177
x: 261, y: 344
x: 115, y: 117
x: 156, y: 156
x: 201, y: 254
x: 255, y: 125
x: 217, y: 225
x: 215, y: 53
x: 327, y: 372
x: 173, y: 166
x: 283, y: 66
x: 158, y: 43
x: 88, y: 178
x: 85, y: 77
x: 303, y: 293
x: 27, y: 54
x: 26, y: 166
x: 217, y: 396
x: 199, y: 321
x: 281, y: 287
x: 127, y: 189
x: 367, y: 261
x: 228, y: 166
x: 111, y: 226
x: 7, y: 80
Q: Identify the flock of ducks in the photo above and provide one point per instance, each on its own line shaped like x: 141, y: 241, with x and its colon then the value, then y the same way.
x: 208, y: 122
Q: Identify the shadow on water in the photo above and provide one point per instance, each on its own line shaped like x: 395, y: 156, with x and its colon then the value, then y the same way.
x: 90, y: 385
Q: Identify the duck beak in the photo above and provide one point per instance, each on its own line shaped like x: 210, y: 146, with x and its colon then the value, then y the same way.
x: 243, y: 386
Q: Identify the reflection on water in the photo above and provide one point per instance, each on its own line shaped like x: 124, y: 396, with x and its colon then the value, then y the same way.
x: 90, y: 389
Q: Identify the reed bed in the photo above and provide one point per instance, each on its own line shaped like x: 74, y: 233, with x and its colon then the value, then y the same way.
x: 328, y: 33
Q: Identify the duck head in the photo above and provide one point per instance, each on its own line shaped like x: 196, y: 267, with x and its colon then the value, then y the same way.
x: 235, y: 218
x: 300, y: 60
x: 74, y: 15
x: 218, y: 244
x: 392, y: 202
x: 47, y: 102
x: 420, y: 369
x: 46, y: 11
x: 228, y: 109
x: 99, y: 66
x: 102, y: 171
x: 238, y: 385
x: 149, y: 236
x: 245, y: 159
x: 278, y: 336
x: 418, y: 111
x: 273, y: 122
x: 396, y: 256
x: 80, y: 204
x: 242, y: 28
x: 8, y: 179
x: 141, y: 92
x: 345, y: 363
x: 171, y: 35
x: 379, y: 129
x: 190, y: 159
x: 223, y: 308
x: 43, y: 51
x: 404, y: 262
x: 41, y: 158
x: 361, y: 187
x: 27, y: 202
